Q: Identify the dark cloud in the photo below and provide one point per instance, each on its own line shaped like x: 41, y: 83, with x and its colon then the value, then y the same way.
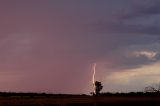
x: 136, y: 24
x: 141, y: 17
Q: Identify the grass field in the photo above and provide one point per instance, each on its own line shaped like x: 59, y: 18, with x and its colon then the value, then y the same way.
x: 75, y: 100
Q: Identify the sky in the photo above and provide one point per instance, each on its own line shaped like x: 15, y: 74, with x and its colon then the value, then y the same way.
x: 51, y: 45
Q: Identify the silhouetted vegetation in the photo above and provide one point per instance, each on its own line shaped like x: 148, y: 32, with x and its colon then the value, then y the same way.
x: 32, y: 94
x: 98, y: 88
x: 153, y: 89
x: 131, y: 94
x: 21, y: 94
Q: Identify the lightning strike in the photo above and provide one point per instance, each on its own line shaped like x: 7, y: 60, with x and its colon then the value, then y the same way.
x: 94, y: 73
x: 93, y: 77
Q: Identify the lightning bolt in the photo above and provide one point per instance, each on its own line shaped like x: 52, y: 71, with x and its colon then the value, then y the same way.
x: 94, y: 73
x: 93, y: 77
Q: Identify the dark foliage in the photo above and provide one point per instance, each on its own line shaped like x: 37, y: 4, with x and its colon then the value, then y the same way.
x: 131, y: 94
x: 32, y: 94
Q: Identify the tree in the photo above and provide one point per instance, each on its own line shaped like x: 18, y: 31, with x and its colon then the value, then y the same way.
x: 98, y: 88
x: 153, y: 89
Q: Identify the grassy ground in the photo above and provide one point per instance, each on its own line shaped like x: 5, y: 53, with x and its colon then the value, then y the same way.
x: 30, y: 99
x: 80, y: 101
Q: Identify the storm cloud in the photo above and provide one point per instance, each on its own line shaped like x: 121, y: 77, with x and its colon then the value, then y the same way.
x: 51, y: 46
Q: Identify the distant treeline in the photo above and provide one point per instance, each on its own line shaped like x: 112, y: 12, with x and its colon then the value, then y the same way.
x: 30, y: 94
x: 131, y: 94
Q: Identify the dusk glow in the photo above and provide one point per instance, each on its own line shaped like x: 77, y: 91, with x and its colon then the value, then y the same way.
x: 51, y: 45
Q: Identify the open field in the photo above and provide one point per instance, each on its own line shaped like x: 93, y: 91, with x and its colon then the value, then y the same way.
x: 80, y: 101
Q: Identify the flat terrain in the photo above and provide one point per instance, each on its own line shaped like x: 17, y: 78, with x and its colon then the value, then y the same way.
x: 80, y: 101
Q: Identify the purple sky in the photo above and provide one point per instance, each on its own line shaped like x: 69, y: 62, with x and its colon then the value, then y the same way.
x: 51, y: 45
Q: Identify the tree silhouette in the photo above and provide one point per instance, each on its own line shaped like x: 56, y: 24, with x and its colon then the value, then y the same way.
x: 153, y: 88
x: 98, y: 88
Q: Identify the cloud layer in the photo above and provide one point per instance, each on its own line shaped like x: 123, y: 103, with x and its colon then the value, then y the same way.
x: 51, y: 45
